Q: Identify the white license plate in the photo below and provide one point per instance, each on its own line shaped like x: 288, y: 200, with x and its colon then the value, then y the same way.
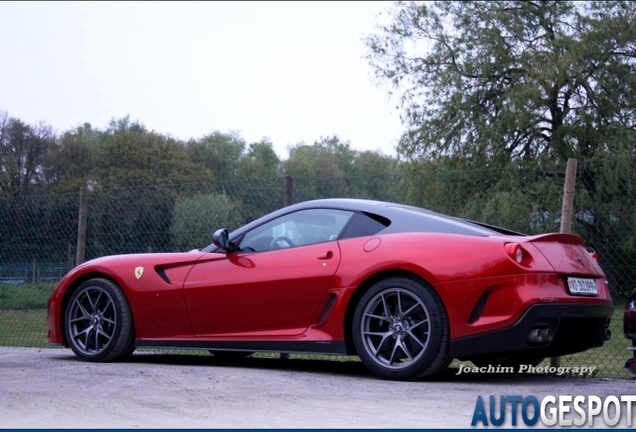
x: 580, y: 286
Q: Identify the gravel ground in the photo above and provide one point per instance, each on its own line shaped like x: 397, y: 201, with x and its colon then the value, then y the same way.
x: 51, y: 388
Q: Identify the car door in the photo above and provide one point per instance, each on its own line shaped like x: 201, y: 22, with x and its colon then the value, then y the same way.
x: 274, y: 285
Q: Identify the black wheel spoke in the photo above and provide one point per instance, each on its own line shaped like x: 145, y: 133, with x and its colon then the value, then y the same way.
x: 416, y: 338
x: 403, y: 348
x: 411, y: 309
x: 398, y: 312
x: 85, y: 313
x: 391, y: 325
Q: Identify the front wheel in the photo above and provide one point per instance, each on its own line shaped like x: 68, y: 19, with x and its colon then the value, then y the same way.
x: 99, y: 324
x: 400, y: 330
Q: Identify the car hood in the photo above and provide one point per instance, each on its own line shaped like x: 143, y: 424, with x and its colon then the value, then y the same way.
x: 143, y: 259
x: 125, y: 269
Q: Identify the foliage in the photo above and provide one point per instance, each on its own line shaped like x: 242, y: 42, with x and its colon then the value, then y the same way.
x: 320, y: 170
x: 131, y: 158
x: 219, y: 153
x: 70, y: 162
x: 522, y: 85
x: 22, y: 150
x: 36, y: 227
x: 196, y: 218
x: 491, y: 82
x: 605, y: 205
x: 260, y: 161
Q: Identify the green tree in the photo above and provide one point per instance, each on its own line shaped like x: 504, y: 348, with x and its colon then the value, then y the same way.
x: 320, y: 169
x: 22, y: 151
x: 525, y: 85
x: 132, y: 158
x: 70, y: 161
x: 197, y: 217
x: 138, y: 177
x: 332, y: 168
x: 491, y: 82
x: 260, y: 161
x: 327, y: 157
x: 261, y: 189
x: 220, y: 153
x: 124, y: 124
x: 374, y: 176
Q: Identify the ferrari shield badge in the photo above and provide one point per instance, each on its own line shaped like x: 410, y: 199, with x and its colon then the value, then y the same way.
x: 139, y: 271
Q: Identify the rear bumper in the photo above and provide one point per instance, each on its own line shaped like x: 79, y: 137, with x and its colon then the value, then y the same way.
x: 574, y: 327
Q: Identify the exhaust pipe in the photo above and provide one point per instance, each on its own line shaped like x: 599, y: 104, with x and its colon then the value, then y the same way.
x: 539, y: 336
x: 608, y: 334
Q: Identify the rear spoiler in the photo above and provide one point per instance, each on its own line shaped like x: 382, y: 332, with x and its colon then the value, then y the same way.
x: 558, y: 237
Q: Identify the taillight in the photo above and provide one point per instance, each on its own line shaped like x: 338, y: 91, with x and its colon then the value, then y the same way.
x: 595, y: 256
x: 518, y: 253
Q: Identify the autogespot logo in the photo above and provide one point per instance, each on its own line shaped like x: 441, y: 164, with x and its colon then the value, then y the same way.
x: 562, y: 410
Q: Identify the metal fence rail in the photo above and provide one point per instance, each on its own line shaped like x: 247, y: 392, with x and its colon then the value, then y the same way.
x: 39, y: 234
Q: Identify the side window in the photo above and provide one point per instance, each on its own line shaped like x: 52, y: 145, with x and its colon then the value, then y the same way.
x: 365, y: 224
x: 296, y: 229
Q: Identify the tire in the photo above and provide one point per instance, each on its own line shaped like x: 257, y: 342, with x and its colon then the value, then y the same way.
x: 98, y: 322
x: 400, y: 330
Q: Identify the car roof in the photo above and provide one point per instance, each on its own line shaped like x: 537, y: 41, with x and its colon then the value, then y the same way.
x: 403, y: 218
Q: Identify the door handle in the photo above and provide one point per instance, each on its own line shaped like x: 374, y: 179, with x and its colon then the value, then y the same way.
x: 325, y: 255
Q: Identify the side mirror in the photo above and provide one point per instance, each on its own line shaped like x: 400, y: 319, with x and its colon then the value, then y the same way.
x: 221, y: 239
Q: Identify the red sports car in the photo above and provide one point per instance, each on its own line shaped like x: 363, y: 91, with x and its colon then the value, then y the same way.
x: 405, y: 289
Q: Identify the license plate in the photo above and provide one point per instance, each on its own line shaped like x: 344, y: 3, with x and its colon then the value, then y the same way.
x: 580, y: 286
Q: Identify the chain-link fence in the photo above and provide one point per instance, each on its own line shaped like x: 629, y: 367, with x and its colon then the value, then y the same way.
x: 39, y: 234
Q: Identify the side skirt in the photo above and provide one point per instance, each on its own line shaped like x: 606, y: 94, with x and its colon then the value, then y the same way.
x: 323, y: 347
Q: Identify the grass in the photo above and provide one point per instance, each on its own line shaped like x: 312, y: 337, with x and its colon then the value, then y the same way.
x: 24, y: 295
x: 26, y: 326
x: 23, y: 319
x: 23, y: 328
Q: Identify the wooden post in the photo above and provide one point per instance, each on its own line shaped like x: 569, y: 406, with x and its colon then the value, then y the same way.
x: 568, y: 197
x: 289, y: 190
x: 567, y: 209
x: 69, y: 257
x: 33, y: 271
x: 81, y: 225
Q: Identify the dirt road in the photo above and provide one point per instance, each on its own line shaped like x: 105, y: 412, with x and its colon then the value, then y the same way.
x: 50, y: 388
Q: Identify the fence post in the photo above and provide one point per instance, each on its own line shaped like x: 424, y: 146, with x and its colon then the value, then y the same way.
x: 69, y: 257
x: 567, y: 209
x: 289, y: 190
x: 81, y: 225
x: 568, y: 196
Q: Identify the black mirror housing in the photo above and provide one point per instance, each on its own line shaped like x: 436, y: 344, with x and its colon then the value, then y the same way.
x: 221, y: 239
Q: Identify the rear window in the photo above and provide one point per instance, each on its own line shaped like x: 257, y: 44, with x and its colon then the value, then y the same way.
x: 428, y: 221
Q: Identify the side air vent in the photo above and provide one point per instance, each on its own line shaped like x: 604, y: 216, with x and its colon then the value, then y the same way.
x: 162, y: 274
x: 479, y: 307
x: 325, y: 312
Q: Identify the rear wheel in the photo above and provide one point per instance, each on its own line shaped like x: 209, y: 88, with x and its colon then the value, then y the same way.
x: 400, y: 330
x: 99, y: 324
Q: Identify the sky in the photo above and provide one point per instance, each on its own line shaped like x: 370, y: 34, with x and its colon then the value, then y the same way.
x: 288, y: 71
